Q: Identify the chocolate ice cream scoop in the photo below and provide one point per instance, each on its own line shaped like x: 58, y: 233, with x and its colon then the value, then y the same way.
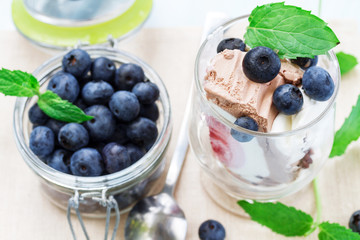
x: 228, y: 87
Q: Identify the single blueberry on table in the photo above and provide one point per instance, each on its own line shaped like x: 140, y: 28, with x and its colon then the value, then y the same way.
x: 318, y: 84
x: 124, y: 105
x: 211, y: 230
x: 65, y: 86
x: 150, y: 111
x: 245, y: 122
x: 231, y: 44
x: 36, y: 115
x: 86, y: 162
x: 60, y: 160
x: 135, y: 152
x: 305, y: 63
x: 103, y: 68
x: 116, y: 157
x: 261, y: 64
x: 146, y: 92
x: 73, y: 136
x: 42, y: 141
x: 102, y: 126
x: 97, y: 92
x: 142, y: 132
x: 77, y: 62
x: 354, y: 222
x: 288, y: 99
x: 127, y: 75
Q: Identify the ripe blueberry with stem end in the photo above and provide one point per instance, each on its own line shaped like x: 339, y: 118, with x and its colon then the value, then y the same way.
x: 261, y: 64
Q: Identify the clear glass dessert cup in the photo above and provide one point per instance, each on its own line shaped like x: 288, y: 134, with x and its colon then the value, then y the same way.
x: 271, y: 165
x: 126, y: 186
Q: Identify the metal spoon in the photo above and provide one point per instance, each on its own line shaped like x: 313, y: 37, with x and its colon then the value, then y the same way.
x: 160, y: 217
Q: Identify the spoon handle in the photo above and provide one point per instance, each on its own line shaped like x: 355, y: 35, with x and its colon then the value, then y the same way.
x: 178, y: 157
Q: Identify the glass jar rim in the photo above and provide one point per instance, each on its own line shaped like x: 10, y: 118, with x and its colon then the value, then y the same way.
x: 215, y: 111
x: 122, y: 178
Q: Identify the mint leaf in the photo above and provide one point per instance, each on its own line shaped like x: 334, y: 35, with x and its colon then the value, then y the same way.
x: 60, y: 109
x: 18, y: 83
x: 290, y: 30
x: 346, y: 61
x: 349, y: 131
x: 334, y: 231
x: 279, y: 218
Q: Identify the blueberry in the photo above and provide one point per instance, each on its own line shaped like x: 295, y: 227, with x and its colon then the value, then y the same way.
x: 211, y: 230
x: 55, y: 125
x: 288, y: 99
x: 130, y: 196
x: 42, y: 141
x: 245, y: 122
x: 142, y: 131
x: 231, y: 43
x: 116, y: 157
x: 124, y: 105
x: 102, y: 126
x: 261, y: 64
x: 354, y: 222
x: 127, y: 75
x: 119, y: 135
x: 73, y: 136
x: 77, y: 62
x: 36, y: 115
x: 103, y: 68
x: 135, y: 152
x: 149, y: 111
x: 80, y: 103
x: 65, y: 85
x: 86, y: 162
x: 146, y: 92
x: 318, y: 84
x: 60, y: 160
x: 97, y: 92
x: 305, y: 63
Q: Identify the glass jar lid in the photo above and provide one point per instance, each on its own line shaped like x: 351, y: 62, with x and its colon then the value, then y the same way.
x: 44, y: 23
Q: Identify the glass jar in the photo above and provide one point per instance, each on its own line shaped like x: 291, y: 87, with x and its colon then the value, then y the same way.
x: 126, y: 186
x: 270, y: 166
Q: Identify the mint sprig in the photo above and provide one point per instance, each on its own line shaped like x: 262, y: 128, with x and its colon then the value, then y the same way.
x: 60, y: 109
x: 289, y: 30
x: 279, y: 218
x: 22, y: 84
x: 290, y: 221
x: 349, y: 131
x: 18, y: 83
x: 346, y: 61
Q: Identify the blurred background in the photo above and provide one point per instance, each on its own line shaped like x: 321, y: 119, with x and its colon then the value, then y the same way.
x: 172, y: 13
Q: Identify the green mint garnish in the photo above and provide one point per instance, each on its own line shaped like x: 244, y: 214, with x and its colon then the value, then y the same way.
x: 289, y: 221
x: 349, y: 131
x: 289, y: 30
x: 346, y: 61
x: 334, y: 231
x: 18, y: 83
x: 22, y: 84
x: 60, y: 109
x: 279, y: 218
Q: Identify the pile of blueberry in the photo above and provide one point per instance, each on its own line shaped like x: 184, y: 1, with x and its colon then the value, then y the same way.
x: 262, y: 64
x: 122, y: 102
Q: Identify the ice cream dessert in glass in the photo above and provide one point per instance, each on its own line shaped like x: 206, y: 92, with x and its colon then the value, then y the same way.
x: 249, y: 141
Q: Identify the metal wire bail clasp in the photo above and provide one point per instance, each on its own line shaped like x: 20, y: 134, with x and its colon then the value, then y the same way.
x: 110, y: 203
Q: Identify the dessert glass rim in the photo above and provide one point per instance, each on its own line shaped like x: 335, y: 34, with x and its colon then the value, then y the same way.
x: 214, y: 109
x: 124, y: 177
